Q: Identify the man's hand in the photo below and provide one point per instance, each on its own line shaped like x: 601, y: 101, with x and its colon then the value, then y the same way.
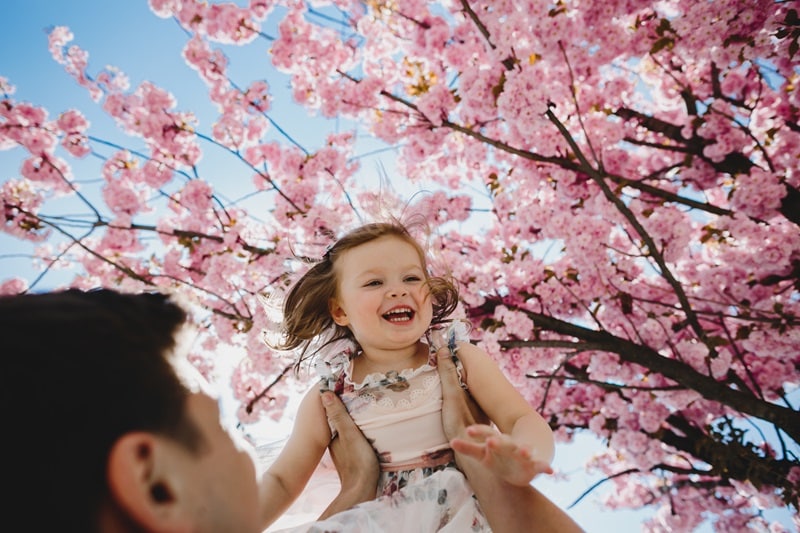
x: 354, y: 458
x: 471, y: 433
x: 509, y: 508
x: 459, y: 410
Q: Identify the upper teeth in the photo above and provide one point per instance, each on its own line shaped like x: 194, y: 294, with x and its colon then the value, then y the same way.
x: 403, y: 313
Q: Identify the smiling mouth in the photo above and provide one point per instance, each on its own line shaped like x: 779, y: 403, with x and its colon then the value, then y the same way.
x: 401, y: 314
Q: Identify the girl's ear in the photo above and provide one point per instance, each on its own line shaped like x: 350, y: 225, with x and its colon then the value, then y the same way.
x: 337, y: 312
x: 144, y: 478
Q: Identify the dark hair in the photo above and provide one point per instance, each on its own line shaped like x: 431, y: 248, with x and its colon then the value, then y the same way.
x: 79, y: 370
x: 306, y: 315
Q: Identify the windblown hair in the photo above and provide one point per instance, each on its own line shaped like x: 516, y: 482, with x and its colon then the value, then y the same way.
x: 306, y: 316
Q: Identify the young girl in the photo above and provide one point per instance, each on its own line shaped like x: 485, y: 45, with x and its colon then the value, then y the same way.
x: 372, y: 291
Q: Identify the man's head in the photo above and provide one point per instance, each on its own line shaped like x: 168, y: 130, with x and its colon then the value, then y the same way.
x: 102, y: 431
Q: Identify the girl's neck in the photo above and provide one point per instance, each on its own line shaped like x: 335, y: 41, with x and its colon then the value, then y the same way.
x: 366, y: 364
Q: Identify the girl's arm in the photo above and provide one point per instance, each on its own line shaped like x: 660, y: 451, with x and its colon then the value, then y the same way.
x: 353, y: 456
x: 285, y: 479
x: 525, y: 446
x: 509, y: 508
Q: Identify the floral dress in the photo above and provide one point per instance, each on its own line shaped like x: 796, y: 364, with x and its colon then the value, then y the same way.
x: 420, y: 488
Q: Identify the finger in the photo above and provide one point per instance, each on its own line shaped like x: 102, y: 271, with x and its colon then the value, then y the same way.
x: 339, y: 418
x: 465, y: 447
x: 502, y: 442
x: 447, y: 368
x: 507, y: 449
x: 543, y: 467
x: 482, y: 431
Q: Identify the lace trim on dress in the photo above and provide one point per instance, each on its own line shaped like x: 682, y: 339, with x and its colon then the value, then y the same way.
x: 392, y: 379
x: 334, y: 370
x: 374, y: 394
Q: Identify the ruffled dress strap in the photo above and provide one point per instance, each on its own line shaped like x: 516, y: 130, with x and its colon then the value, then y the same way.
x: 439, y: 336
x: 331, y: 367
x: 331, y: 370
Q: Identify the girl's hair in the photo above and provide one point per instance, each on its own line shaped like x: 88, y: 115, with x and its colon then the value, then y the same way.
x: 306, y: 315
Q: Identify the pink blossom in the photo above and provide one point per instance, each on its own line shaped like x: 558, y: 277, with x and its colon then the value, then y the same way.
x: 14, y: 286
x: 196, y: 196
x: 6, y: 88
x: 436, y: 103
x: 164, y: 8
x: 621, y: 171
x: 58, y: 39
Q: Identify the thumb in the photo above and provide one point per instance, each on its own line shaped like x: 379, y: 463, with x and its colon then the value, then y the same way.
x: 459, y: 409
x: 447, y: 369
x: 338, y: 417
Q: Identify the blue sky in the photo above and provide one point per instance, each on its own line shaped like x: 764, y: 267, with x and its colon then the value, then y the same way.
x: 126, y: 34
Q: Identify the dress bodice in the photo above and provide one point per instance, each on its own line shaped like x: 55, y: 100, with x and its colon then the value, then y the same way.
x: 400, y: 413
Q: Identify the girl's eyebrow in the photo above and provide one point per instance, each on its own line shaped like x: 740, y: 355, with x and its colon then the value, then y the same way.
x: 369, y: 272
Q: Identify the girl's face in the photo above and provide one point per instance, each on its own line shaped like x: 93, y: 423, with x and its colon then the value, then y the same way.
x: 381, y: 294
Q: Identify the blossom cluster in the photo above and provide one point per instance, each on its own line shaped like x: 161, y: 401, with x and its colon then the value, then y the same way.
x: 613, y: 184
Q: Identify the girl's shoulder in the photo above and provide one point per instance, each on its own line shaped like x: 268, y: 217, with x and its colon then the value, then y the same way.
x: 455, y: 336
x: 451, y: 334
x: 333, y: 365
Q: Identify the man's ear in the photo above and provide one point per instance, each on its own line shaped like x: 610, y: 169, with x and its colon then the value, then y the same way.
x: 145, y: 483
x: 337, y: 312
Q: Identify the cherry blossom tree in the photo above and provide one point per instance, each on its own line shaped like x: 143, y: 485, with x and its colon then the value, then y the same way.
x: 614, y: 183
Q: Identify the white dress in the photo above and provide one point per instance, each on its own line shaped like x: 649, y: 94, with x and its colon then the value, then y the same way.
x: 420, y: 488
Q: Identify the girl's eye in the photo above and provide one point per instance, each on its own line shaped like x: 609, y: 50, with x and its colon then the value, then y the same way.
x: 373, y: 283
x: 412, y: 278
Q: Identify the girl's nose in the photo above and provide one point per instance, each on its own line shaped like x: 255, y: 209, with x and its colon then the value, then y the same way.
x: 394, y: 292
